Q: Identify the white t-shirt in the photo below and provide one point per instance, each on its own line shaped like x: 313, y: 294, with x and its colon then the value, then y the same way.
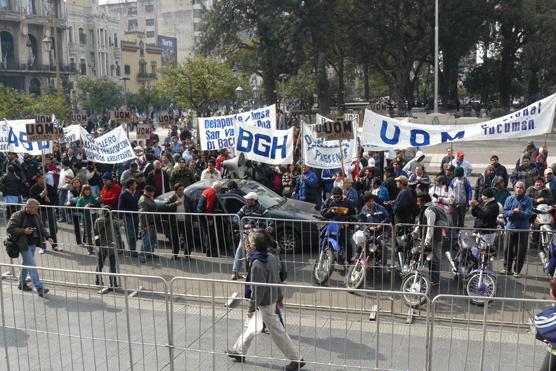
x: 65, y: 173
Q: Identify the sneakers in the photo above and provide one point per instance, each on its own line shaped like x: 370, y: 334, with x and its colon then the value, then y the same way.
x: 295, y: 365
x: 517, y: 275
x: 24, y: 288
x: 233, y: 277
x: 237, y: 356
x: 506, y: 272
x: 42, y: 291
x: 57, y: 248
x: 42, y: 250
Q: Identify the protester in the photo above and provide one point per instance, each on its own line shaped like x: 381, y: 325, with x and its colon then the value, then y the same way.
x: 181, y: 228
x: 404, y: 206
x: 87, y: 201
x: 499, y: 169
x: 517, y: 211
x: 525, y: 172
x: 71, y: 201
x: 545, y: 323
x: 463, y: 163
x: 129, y: 173
x: 66, y: 175
x: 104, y: 229
x: 129, y: 207
x: 306, y: 186
x: 159, y: 179
x: 484, y: 181
x: 211, y: 174
x: 110, y: 192
x: 486, y: 214
x: 11, y: 187
x: 182, y: 174
x: 46, y: 195
x: 206, y: 205
x: 26, y: 229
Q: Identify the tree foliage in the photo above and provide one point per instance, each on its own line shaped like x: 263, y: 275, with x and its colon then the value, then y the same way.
x: 15, y: 105
x: 100, y: 95
x: 199, y: 83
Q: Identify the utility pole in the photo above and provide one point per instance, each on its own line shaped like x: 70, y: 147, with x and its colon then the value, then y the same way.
x: 436, y: 56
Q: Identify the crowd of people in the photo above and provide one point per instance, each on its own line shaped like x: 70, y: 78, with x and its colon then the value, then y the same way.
x: 391, y: 180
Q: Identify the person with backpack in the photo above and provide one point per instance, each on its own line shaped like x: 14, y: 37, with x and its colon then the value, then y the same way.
x: 460, y: 195
x: 265, y: 268
x: 431, y: 219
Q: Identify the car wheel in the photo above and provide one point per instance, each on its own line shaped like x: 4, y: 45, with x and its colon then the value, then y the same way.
x: 288, y: 241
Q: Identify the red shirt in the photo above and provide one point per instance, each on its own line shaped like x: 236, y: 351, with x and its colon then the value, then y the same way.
x: 110, y: 196
x: 210, y: 195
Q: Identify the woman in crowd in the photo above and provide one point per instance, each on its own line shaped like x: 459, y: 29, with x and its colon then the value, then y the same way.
x: 71, y: 200
x: 87, y: 201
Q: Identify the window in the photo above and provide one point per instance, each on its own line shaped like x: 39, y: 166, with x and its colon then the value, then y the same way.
x: 110, y: 41
x: 92, y: 37
x: 132, y: 25
x: 149, y: 22
x: 118, y: 70
x: 82, y: 37
x: 72, y: 64
x: 149, y: 8
x: 82, y: 67
x: 150, y: 34
x: 132, y: 11
x: 127, y: 69
x: 115, y: 40
x: 153, y: 68
x: 70, y: 34
x: 142, y: 67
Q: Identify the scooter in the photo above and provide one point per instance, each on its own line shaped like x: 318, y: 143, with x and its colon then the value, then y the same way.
x: 369, y: 246
x: 544, y: 221
x: 481, y: 281
x: 330, y: 249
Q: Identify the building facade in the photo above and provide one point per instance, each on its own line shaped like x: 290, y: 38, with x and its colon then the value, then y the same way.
x: 94, y: 37
x: 182, y: 19
x: 28, y: 29
x: 140, y: 62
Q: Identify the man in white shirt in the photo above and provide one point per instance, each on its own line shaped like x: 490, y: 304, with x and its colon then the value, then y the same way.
x: 211, y: 174
x: 64, y: 185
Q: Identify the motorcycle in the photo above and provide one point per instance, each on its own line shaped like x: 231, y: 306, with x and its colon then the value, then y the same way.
x: 544, y: 221
x: 463, y: 262
x: 481, y: 281
x: 413, y: 261
x: 369, y: 246
x: 330, y: 249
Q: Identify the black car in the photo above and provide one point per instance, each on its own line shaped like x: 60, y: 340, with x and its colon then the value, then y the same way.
x: 297, y: 225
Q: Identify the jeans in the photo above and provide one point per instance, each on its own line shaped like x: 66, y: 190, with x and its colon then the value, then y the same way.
x: 49, y: 218
x: 102, y: 254
x: 61, y: 202
x: 149, y: 240
x: 131, y: 227
x: 28, y: 258
x: 95, y: 190
x: 239, y: 257
x: 88, y: 232
x: 516, y: 250
x: 10, y: 209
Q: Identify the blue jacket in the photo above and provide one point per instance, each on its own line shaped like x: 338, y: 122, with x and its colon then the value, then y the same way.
x: 468, y: 189
x: 545, y: 322
x: 326, y: 177
x: 352, y: 196
x: 307, y: 189
x: 520, y: 220
x: 378, y: 215
x: 383, y: 194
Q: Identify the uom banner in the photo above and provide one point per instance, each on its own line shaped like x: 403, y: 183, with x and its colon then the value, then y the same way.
x: 111, y: 148
x: 13, y: 138
x: 322, y: 154
x: 218, y: 132
x: 535, y: 119
x: 270, y: 146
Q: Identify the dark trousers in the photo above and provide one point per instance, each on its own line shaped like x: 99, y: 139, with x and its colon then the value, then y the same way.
x: 208, y: 225
x: 49, y: 218
x: 516, y: 250
x: 102, y: 254
x: 88, y: 232
x: 181, y: 235
x: 76, y: 227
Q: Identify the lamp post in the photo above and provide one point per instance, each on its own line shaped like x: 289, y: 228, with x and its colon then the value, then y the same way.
x: 436, y: 56
x: 46, y: 41
x: 239, y: 94
x: 125, y: 79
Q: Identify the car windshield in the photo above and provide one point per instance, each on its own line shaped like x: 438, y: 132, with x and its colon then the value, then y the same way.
x: 266, y: 197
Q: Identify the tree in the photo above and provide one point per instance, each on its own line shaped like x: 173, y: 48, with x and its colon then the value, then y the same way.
x: 45, y: 105
x: 148, y: 97
x: 98, y: 96
x: 301, y: 88
x: 10, y: 103
x: 199, y: 83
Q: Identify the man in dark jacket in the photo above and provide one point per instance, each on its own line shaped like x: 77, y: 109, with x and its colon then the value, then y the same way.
x: 104, y: 230
x: 265, y: 268
x: 159, y: 179
x: 538, y: 194
x: 499, y: 169
x: 181, y: 225
x: 183, y: 174
x: 129, y: 207
x: 12, y: 190
x: 405, y: 205
x: 339, y: 208
x: 26, y: 229
x: 483, y: 182
x: 306, y: 186
x: 486, y: 212
x: 48, y: 197
x: 526, y: 172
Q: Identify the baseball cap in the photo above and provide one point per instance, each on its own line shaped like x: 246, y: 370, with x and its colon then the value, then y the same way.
x: 548, y: 171
x: 459, y: 154
x: 251, y: 196
x: 107, y: 175
x: 401, y: 178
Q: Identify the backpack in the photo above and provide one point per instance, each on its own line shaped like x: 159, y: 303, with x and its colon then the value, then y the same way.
x: 460, y: 191
x: 442, y: 219
x: 12, y: 248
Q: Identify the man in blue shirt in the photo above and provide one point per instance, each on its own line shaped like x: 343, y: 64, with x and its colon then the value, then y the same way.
x: 517, y: 211
x: 306, y: 187
x: 372, y: 212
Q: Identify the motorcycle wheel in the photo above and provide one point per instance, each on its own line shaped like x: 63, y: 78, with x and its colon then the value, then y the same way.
x: 324, y: 266
x: 356, y: 275
x: 486, y: 288
x: 415, y: 283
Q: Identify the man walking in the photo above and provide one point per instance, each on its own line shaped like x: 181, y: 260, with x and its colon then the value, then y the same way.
x: 517, y: 211
x: 265, y: 268
x: 26, y: 229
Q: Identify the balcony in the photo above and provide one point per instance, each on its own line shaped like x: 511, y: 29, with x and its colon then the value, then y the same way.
x: 18, y: 68
x: 142, y: 77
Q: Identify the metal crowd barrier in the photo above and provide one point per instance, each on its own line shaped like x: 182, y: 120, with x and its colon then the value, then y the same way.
x: 187, y: 323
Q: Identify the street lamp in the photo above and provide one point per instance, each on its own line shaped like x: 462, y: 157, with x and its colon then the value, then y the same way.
x: 46, y: 41
x: 239, y: 94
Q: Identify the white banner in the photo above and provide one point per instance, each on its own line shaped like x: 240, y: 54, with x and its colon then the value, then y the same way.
x: 111, y: 148
x: 535, y: 119
x: 270, y: 146
x: 13, y: 138
x: 322, y: 154
x: 72, y: 133
x: 218, y: 132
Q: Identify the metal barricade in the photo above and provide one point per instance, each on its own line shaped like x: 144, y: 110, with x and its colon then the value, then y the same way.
x: 497, y: 335
x: 199, y: 244
x: 73, y: 327
x: 75, y: 237
x: 330, y: 327
x: 454, y: 280
x: 300, y: 244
